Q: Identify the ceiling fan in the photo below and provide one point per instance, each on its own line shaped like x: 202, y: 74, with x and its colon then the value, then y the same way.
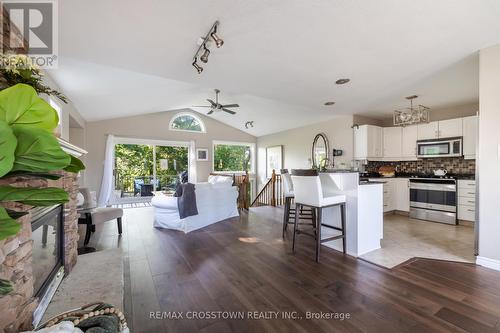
x: 216, y: 106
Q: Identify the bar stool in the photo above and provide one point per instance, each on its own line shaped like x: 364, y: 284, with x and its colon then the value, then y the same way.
x: 308, y: 192
x: 289, y: 211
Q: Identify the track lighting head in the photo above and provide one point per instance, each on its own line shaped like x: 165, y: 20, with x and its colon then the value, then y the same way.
x: 198, y: 67
x: 218, y: 41
x: 206, y: 53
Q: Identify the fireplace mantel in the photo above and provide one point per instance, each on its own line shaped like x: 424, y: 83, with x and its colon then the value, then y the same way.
x: 71, y: 148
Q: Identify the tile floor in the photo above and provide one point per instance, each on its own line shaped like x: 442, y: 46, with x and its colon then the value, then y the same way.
x: 405, y: 238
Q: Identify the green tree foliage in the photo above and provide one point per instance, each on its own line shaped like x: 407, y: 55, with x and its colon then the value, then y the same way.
x: 231, y: 158
x: 187, y: 122
x: 136, y: 162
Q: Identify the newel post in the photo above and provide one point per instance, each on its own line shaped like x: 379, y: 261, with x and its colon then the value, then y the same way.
x: 273, y: 186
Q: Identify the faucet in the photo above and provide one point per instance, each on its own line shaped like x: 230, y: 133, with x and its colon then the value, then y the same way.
x: 324, y: 162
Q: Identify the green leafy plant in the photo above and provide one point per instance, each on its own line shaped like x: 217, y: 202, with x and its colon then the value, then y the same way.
x: 29, y: 148
x: 19, y: 68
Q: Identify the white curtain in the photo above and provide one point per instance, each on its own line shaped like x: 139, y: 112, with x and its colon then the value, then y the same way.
x: 107, y: 176
x: 192, y: 162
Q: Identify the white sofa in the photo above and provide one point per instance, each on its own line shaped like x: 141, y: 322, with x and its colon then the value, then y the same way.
x: 215, y: 202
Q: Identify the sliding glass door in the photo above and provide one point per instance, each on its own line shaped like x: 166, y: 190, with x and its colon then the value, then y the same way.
x: 141, y: 169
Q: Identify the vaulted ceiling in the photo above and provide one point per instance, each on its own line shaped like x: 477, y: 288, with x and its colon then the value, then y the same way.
x: 280, y: 59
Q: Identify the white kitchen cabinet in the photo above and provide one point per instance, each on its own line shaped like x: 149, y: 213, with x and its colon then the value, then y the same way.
x: 450, y: 128
x: 470, y: 130
x: 396, y: 194
x: 392, y: 142
x: 428, y: 131
x: 402, y: 194
x: 409, y: 142
x: 466, y: 200
x: 367, y: 142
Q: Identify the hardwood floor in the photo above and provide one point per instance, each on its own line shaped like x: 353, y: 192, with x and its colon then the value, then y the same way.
x: 244, y: 265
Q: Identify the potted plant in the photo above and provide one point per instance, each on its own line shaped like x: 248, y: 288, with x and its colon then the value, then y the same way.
x: 29, y: 148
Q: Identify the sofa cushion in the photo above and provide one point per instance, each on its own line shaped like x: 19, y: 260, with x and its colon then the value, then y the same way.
x: 106, y: 214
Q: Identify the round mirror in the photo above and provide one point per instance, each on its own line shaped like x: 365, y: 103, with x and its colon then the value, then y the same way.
x: 320, y: 150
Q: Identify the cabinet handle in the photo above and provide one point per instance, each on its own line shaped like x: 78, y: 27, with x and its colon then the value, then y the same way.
x: 471, y: 192
x: 470, y: 201
x: 471, y: 184
x: 471, y: 210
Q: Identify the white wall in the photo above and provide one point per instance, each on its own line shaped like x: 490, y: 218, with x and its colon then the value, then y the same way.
x: 67, y: 110
x: 489, y: 159
x: 297, y: 144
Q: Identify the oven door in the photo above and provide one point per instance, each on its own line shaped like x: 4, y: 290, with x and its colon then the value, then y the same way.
x: 442, y: 197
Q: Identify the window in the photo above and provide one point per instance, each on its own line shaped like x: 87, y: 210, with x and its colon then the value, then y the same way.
x: 57, y: 107
x: 233, y: 156
x: 187, y: 122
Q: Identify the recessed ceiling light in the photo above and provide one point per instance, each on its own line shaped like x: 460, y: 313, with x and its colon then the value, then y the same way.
x: 329, y: 103
x: 342, y: 81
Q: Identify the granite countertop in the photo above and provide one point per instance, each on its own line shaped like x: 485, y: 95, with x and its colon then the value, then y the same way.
x: 457, y: 176
x: 370, y: 182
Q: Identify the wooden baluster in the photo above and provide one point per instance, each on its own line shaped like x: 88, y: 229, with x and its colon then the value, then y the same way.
x: 273, y: 189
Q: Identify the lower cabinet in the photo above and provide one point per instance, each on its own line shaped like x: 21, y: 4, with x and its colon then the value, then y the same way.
x: 466, y: 200
x: 396, y: 194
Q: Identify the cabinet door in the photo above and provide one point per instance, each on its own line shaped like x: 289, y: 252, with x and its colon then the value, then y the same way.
x: 360, y: 142
x: 450, y: 128
x: 392, y: 142
x: 470, y: 125
x: 409, y: 145
x: 374, y: 143
x: 403, y: 194
x: 428, y: 131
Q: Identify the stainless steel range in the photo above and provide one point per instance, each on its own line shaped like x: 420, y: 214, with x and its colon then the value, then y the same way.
x: 434, y: 199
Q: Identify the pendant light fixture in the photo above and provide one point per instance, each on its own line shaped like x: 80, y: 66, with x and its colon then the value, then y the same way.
x: 413, y: 115
x: 203, y: 43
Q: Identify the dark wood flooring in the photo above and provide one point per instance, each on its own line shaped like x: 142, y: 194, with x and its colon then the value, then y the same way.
x: 243, y: 265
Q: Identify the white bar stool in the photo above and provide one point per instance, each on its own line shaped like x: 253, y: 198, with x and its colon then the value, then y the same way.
x: 308, y: 192
x: 288, y: 210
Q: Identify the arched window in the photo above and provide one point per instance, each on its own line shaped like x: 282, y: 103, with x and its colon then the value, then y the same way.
x: 187, y: 122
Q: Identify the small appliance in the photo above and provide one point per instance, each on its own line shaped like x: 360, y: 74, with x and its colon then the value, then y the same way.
x: 445, y: 147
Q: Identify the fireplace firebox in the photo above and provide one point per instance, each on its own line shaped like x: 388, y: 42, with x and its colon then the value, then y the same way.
x: 48, y: 254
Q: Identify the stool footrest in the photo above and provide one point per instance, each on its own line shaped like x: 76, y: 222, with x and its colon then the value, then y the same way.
x: 332, y: 227
x: 332, y: 238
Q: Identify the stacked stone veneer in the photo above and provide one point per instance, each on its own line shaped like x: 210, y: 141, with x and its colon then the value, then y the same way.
x: 16, y: 308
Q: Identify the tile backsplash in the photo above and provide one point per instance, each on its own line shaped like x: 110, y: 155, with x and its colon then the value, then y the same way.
x: 427, y: 165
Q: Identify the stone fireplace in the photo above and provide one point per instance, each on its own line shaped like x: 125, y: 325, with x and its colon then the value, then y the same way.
x: 16, y: 253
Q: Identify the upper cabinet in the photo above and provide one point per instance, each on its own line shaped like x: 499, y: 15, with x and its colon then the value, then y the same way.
x: 440, y: 129
x: 450, y: 128
x: 400, y: 143
x: 367, y: 142
x: 409, y: 142
x: 428, y: 131
x: 470, y: 131
x: 392, y: 142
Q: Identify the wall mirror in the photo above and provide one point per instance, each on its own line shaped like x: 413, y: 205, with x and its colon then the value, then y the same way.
x: 320, y: 149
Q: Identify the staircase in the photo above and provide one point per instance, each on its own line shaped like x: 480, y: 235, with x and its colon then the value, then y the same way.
x: 271, y: 194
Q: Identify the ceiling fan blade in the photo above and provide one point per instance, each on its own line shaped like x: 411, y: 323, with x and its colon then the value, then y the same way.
x: 211, y: 102
x: 231, y: 106
x: 201, y: 106
x: 228, y: 111
x: 211, y: 111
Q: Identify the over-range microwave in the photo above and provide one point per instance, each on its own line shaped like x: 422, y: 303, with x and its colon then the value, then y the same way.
x: 446, y: 147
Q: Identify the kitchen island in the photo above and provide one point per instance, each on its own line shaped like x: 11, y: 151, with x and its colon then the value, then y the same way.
x: 364, y: 212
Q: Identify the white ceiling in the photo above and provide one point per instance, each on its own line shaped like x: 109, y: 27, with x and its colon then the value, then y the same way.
x: 280, y: 58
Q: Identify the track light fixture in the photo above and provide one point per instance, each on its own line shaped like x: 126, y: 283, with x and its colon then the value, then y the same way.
x: 218, y: 42
x: 198, y: 67
x: 206, y: 53
x: 203, y: 43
